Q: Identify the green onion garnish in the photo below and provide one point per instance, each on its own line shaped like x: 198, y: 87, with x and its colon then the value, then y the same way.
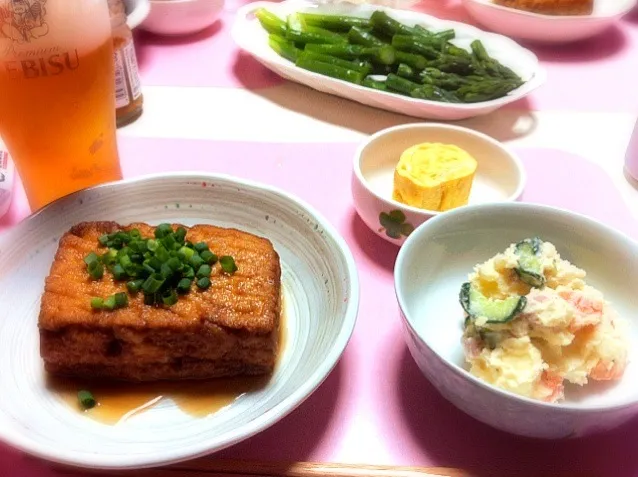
x: 109, y: 303
x: 121, y: 300
x: 160, y: 267
x: 134, y: 286
x: 86, y: 399
x: 228, y: 264
x: 208, y: 257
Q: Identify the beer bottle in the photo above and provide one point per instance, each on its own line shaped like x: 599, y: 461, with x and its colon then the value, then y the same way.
x: 129, y: 100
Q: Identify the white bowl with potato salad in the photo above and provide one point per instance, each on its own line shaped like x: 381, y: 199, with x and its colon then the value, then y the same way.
x: 524, y: 316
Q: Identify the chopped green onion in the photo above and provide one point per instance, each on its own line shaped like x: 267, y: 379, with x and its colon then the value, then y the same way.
x: 174, y: 263
x: 125, y: 261
x: 186, y: 253
x: 118, y: 272
x: 169, y: 297
x: 169, y: 242
x: 91, y: 258
x: 162, y: 230
x: 86, y: 399
x: 97, y: 303
x: 200, y: 247
x: 196, y: 261
x: 109, y: 257
x: 184, y: 285
x: 104, y: 239
x: 109, y: 303
x: 208, y: 257
x: 135, y: 234
x: 204, y: 271
x: 228, y: 264
x: 152, y: 245
x: 96, y: 270
x: 121, y: 299
x: 203, y: 283
x: 166, y: 271
x: 162, y: 254
x: 188, y: 272
x: 153, y: 283
x: 134, y: 285
x: 180, y: 234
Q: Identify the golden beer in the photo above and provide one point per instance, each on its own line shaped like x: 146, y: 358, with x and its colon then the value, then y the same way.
x: 57, y: 99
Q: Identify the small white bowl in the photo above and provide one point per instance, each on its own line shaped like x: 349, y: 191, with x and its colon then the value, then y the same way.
x: 435, y: 261
x: 548, y: 28
x: 499, y: 177
x: 136, y: 12
x: 181, y: 17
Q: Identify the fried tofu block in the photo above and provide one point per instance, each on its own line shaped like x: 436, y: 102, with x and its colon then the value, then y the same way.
x: 230, y: 329
x: 551, y: 7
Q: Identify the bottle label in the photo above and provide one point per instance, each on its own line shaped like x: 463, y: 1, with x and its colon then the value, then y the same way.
x: 121, y: 92
x: 131, y: 67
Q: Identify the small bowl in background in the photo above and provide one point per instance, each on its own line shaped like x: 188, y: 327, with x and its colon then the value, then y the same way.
x: 499, y: 176
x: 181, y: 17
x: 529, y: 26
x: 435, y: 261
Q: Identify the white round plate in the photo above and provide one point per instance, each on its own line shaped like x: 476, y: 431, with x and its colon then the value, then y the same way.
x: 321, y: 295
x: 548, y: 28
x: 136, y: 12
x: 251, y: 37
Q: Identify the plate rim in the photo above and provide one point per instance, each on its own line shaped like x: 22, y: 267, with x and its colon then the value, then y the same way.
x: 282, y: 409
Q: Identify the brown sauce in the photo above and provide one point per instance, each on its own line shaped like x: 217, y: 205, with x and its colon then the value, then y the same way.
x: 118, y: 402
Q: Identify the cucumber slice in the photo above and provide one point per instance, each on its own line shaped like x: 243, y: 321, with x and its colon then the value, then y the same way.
x: 529, y: 268
x: 477, y: 305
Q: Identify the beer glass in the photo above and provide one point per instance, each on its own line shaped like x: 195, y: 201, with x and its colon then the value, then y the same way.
x: 57, y: 95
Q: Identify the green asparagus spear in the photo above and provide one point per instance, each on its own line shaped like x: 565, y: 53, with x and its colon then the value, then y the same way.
x: 485, y: 90
x: 454, y: 64
x: 381, y: 22
x: 421, y: 30
x: 434, y: 93
x: 401, y: 85
x: 415, y: 61
x: 445, y: 35
x: 491, y: 66
x: 362, y: 66
x: 296, y: 22
x: 312, y: 35
x: 283, y: 47
x: 375, y: 84
x: 377, y: 54
x: 407, y: 72
x: 413, y: 44
x: 335, y: 22
x: 359, y: 36
x: 333, y: 71
x: 271, y: 22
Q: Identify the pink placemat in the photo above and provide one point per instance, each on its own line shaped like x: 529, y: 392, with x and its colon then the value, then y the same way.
x: 597, y: 75
x: 376, y: 407
x: 209, y: 58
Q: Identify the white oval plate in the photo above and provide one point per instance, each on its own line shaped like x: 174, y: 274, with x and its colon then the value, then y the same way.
x: 136, y: 12
x: 321, y: 293
x: 252, y: 38
x: 548, y: 28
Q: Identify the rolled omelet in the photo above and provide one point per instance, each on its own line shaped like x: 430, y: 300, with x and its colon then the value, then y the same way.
x: 434, y: 176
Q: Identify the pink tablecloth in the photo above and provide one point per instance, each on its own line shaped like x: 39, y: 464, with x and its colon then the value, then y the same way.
x: 597, y: 75
x: 376, y: 407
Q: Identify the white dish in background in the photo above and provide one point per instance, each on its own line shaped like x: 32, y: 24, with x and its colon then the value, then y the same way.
x: 500, y: 176
x: 321, y: 295
x: 436, y: 259
x: 548, y: 28
x: 251, y: 37
x: 136, y: 11
x: 181, y: 17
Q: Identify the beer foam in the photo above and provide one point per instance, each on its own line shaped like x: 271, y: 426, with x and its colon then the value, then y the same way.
x: 53, y: 25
